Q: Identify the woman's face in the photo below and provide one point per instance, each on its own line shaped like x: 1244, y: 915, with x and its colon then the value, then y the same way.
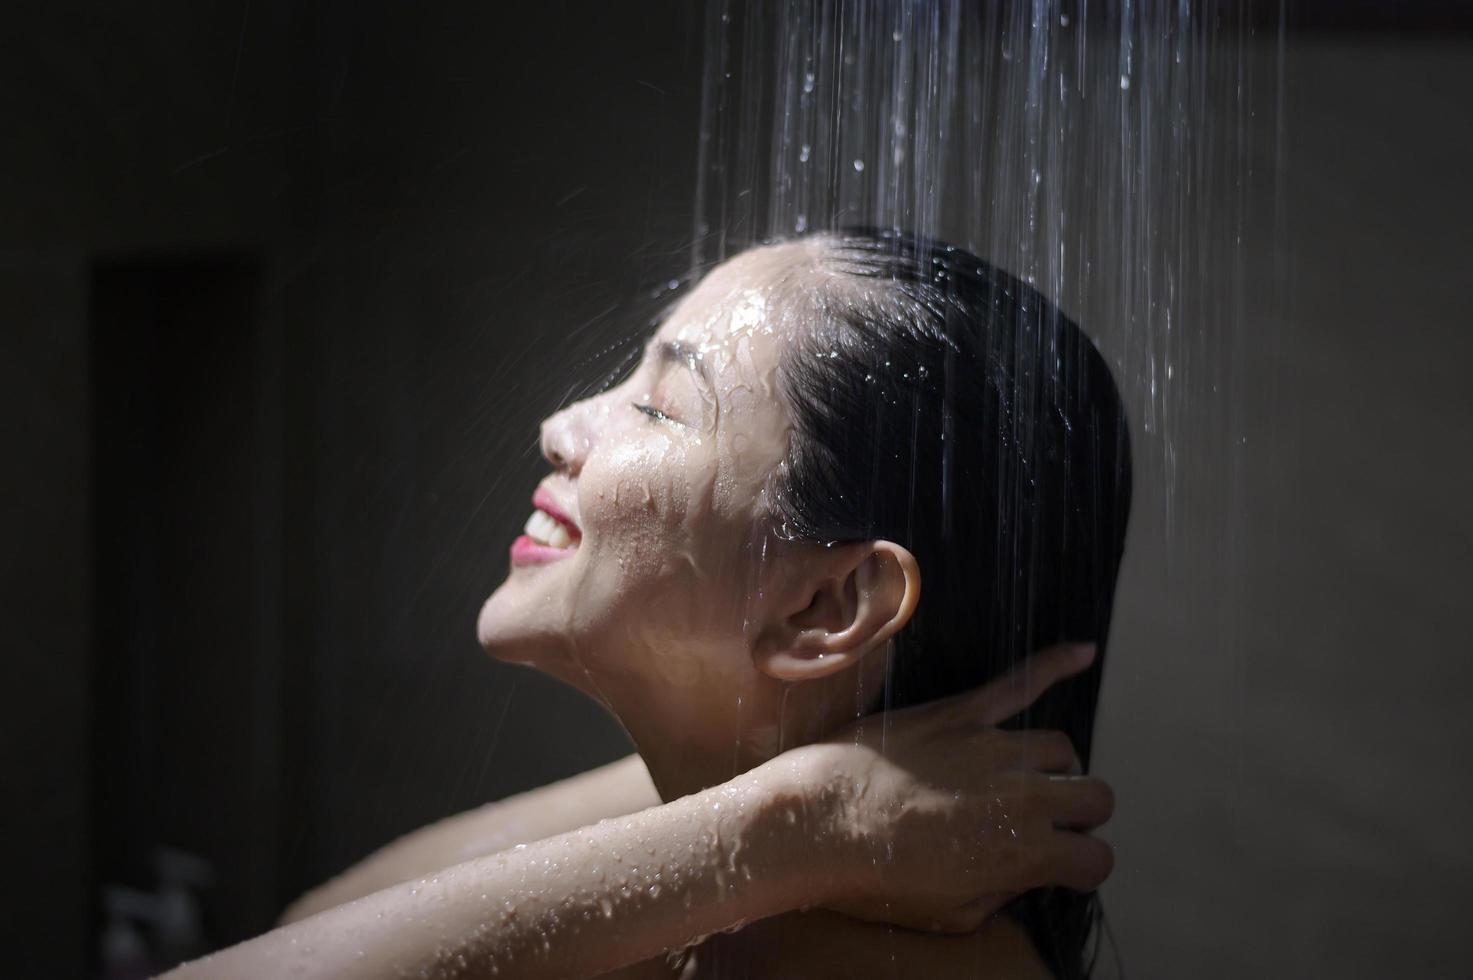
x: 644, y: 555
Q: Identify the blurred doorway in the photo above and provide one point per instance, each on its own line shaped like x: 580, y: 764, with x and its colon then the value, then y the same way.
x: 186, y: 778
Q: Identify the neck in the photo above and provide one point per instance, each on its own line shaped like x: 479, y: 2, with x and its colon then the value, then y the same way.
x: 678, y: 768
x: 687, y: 750
x: 682, y: 759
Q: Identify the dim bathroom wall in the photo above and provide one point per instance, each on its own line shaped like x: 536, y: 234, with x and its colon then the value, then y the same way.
x: 1290, y: 657
x: 459, y: 209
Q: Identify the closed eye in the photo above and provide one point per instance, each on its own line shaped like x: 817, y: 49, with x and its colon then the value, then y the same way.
x: 656, y: 414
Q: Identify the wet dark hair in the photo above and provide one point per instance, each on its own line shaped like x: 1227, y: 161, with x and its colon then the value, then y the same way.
x: 943, y: 404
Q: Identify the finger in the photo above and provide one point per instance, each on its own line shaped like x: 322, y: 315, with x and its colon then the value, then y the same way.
x: 1034, y: 749
x: 1080, y: 862
x: 1080, y: 802
x: 1021, y: 686
x: 979, y: 909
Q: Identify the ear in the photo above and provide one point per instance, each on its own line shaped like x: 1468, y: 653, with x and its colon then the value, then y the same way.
x: 857, y: 597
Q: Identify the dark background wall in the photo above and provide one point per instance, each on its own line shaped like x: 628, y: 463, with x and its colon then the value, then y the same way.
x: 285, y: 288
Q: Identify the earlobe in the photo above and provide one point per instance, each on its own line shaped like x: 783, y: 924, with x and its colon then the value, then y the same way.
x: 856, y: 603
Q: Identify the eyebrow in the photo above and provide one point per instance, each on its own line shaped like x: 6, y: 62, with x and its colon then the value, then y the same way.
x: 673, y: 351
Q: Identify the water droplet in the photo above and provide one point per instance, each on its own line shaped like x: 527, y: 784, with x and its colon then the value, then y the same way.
x: 808, y: 82
x: 859, y: 166
x: 803, y: 153
x: 1124, y: 82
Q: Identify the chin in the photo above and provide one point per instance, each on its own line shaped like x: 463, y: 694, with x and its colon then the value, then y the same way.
x: 517, y: 625
x: 499, y: 629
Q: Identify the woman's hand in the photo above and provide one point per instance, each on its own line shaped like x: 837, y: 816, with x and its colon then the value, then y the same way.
x: 940, y: 817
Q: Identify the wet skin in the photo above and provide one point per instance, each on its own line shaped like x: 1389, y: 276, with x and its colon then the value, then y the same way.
x: 673, y: 603
x: 675, y: 593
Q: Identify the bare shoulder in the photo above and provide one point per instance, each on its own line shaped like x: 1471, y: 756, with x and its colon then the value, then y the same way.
x: 828, y: 946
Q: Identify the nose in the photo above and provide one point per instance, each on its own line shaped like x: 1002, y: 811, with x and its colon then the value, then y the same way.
x: 564, y: 441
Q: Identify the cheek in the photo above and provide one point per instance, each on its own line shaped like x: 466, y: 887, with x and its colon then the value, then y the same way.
x: 640, y: 498
x: 628, y: 488
x: 656, y: 535
x: 650, y: 571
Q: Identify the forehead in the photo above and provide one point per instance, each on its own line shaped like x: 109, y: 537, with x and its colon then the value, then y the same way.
x: 742, y: 314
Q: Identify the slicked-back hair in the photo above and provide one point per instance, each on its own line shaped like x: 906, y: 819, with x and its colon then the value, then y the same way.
x: 943, y: 404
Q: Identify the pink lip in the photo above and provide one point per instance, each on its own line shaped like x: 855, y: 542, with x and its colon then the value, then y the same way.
x: 525, y: 551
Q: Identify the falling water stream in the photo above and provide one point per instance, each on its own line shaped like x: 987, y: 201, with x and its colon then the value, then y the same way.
x: 1101, y: 152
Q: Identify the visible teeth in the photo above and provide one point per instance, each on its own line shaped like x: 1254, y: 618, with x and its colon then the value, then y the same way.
x: 543, y: 528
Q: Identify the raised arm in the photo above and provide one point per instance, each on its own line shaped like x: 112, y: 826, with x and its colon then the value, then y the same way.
x: 576, y: 905
x: 964, y: 815
x: 613, y: 790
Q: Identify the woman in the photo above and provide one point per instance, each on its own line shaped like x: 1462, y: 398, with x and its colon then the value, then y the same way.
x: 728, y: 555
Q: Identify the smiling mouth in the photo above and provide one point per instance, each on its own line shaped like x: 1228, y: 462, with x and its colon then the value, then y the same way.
x: 549, y: 534
x: 543, y: 528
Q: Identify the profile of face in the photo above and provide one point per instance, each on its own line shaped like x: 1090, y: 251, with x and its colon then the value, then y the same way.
x: 650, y: 575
